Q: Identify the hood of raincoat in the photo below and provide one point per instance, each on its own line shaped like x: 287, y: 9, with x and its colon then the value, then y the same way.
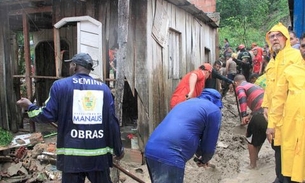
x: 279, y: 28
x: 211, y: 95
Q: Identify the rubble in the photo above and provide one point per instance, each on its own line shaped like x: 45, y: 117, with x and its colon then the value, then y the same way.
x: 26, y: 162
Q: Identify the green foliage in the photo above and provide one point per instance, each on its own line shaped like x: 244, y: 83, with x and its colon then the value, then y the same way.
x: 247, y: 21
x: 6, y: 137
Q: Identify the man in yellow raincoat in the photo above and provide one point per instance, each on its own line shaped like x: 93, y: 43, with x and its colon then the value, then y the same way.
x: 282, y: 55
x: 288, y: 107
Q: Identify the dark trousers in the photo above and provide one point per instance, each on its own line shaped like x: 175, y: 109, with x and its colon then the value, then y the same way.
x: 160, y: 172
x: 288, y: 180
x: 278, y: 164
x: 94, y: 177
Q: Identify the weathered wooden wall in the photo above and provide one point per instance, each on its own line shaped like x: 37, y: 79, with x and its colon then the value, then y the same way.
x: 149, y: 47
x: 159, y: 42
x: 105, y: 11
x: 10, y: 118
x: 137, y: 63
x: 154, y: 78
x: 44, y: 55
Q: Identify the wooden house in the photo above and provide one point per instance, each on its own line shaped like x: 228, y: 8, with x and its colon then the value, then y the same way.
x: 143, y: 48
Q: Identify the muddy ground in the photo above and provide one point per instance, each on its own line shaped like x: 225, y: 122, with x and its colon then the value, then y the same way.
x: 231, y: 159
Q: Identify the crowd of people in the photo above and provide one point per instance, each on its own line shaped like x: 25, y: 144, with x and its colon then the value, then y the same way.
x: 269, y: 81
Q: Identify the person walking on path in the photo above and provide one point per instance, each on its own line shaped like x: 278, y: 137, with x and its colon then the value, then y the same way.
x: 282, y: 55
x: 191, y: 84
x: 288, y: 113
x: 250, y: 95
x: 257, y: 60
x: 180, y: 135
x: 231, y: 72
x: 88, y: 131
x: 244, y: 61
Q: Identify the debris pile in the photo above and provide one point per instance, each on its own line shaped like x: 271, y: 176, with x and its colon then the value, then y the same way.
x: 28, y: 162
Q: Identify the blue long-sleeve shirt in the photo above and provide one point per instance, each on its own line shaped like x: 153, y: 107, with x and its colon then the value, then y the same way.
x: 88, y: 131
x: 190, y: 126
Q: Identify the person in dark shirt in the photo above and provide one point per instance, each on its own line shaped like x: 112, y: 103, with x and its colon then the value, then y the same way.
x: 244, y: 61
x: 88, y: 133
x: 212, y: 81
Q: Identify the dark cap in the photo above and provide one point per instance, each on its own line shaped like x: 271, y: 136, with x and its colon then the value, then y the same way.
x: 82, y: 59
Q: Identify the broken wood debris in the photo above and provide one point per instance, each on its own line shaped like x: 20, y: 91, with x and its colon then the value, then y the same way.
x: 31, y: 165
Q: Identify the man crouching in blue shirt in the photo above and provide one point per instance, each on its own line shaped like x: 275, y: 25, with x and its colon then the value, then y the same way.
x: 190, y: 127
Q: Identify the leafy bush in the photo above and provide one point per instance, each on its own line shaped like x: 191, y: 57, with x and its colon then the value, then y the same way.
x: 6, y: 137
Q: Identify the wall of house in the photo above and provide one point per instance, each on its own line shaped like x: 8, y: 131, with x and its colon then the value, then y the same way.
x: 103, y: 11
x: 164, y: 42
x: 9, y: 112
x: 175, y: 43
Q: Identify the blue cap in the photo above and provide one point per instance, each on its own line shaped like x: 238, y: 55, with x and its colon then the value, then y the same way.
x: 211, y: 95
x: 82, y: 59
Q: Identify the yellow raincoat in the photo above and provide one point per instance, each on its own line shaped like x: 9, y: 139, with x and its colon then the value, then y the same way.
x: 274, y: 70
x: 288, y: 106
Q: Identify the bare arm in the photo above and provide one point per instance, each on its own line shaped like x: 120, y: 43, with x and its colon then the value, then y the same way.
x: 227, y: 67
x: 192, y: 83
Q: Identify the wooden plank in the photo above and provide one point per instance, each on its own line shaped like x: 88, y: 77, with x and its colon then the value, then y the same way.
x: 9, y: 112
x: 42, y: 9
x: 58, y: 59
x: 160, y: 24
x: 145, y: 122
x: 103, y: 15
x: 188, y: 44
x: 12, y: 2
x: 181, y: 26
x: 27, y: 55
x: 123, y: 22
x: 56, y: 11
x: 90, y: 8
x: 4, y: 123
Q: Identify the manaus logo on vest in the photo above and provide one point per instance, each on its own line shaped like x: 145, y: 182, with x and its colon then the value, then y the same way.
x: 88, y: 107
x: 89, y: 101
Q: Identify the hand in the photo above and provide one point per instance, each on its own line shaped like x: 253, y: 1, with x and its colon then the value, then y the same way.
x: 245, y: 120
x: 188, y: 96
x: 204, y: 165
x: 24, y: 103
x: 270, y: 132
x: 119, y: 157
x: 199, y: 162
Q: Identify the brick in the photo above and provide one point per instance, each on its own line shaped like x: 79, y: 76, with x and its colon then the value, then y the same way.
x: 133, y: 155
